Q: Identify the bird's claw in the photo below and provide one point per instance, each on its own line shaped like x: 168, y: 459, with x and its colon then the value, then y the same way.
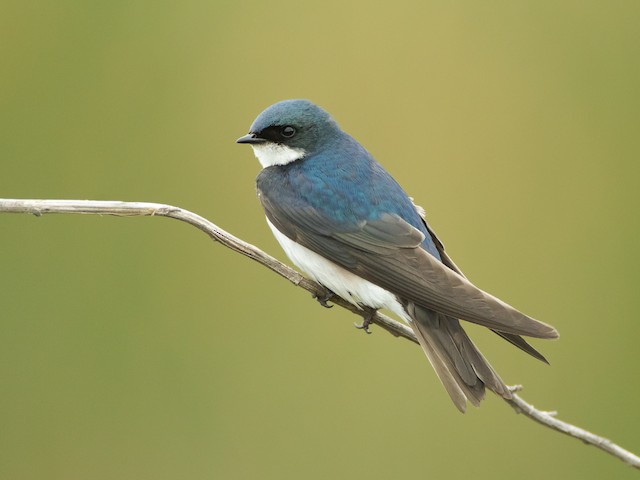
x: 324, y: 298
x: 367, y: 320
x: 364, y: 326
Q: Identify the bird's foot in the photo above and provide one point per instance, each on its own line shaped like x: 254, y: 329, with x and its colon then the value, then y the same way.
x: 324, y: 297
x: 369, y: 313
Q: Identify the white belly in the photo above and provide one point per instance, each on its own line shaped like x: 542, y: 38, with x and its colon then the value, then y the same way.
x: 343, y: 283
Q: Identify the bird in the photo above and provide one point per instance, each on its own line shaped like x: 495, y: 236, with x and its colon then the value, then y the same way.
x: 344, y: 221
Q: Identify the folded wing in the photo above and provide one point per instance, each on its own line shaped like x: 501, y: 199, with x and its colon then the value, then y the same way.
x: 387, y: 252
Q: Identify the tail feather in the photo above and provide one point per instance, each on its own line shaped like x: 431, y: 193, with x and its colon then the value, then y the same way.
x: 450, y: 383
x: 522, y: 344
x: 460, y: 366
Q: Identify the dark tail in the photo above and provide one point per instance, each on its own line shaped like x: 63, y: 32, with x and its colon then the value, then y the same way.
x: 461, y: 368
x: 522, y: 344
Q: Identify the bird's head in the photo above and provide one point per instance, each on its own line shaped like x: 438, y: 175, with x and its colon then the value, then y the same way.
x: 288, y: 131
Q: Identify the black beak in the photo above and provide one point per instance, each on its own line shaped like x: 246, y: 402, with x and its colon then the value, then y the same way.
x: 250, y: 138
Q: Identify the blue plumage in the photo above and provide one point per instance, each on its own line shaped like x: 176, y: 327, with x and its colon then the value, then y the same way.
x: 337, y: 176
x: 347, y: 185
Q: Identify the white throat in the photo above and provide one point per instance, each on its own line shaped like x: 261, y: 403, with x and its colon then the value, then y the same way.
x: 270, y: 153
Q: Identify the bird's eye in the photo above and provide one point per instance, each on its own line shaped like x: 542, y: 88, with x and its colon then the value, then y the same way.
x: 288, y: 131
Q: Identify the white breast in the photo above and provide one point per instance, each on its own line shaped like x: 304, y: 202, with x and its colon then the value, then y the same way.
x: 343, y: 283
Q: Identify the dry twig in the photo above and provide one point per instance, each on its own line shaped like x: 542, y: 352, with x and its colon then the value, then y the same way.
x: 131, y: 209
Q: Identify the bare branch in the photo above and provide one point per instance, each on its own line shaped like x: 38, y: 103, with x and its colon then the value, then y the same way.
x: 548, y: 420
x: 130, y: 209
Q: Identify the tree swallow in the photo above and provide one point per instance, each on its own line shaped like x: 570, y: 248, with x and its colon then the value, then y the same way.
x: 343, y: 220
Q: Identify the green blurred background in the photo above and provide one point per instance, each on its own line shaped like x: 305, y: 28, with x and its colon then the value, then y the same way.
x: 136, y: 348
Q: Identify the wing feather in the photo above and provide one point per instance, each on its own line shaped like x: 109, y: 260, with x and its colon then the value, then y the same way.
x: 387, y: 251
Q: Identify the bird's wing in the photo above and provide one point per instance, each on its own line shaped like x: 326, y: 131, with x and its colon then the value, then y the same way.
x: 515, y: 340
x: 387, y: 252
